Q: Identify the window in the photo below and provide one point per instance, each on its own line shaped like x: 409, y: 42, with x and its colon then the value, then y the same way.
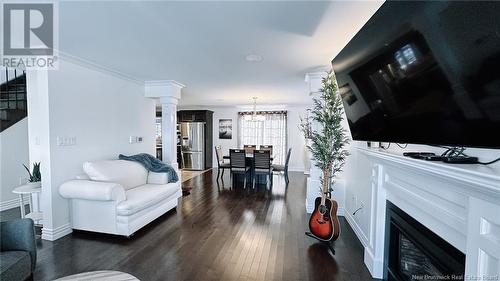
x: 158, y: 130
x: 268, y: 128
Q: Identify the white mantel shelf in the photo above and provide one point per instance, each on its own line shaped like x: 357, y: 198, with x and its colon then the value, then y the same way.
x: 458, y: 202
x: 482, y: 180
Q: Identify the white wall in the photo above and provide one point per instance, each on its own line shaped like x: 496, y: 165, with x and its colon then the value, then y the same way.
x: 99, y: 110
x: 295, y: 137
x: 358, y: 179
x: 13, y: 154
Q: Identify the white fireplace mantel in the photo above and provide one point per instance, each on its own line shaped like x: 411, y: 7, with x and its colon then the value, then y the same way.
x: 460, y: 203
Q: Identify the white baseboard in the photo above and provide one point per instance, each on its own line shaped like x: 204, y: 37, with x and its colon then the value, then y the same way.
x: 368, y: 260
x: 340, y: 212
x: 371, y: 263
x: 12, y: 203
x: 309, y: 208
x: 9, y: 204
x: 374, y: 266
x: 357, y: 229
x: 58, y: 232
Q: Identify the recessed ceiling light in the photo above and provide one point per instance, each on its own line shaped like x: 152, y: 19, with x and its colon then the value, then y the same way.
x: 253, y: 58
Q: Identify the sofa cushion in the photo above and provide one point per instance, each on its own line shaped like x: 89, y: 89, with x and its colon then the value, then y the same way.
x: 127, y: 173
x: 144, y: 196
x: 157, y: 178
x: 15, y: 265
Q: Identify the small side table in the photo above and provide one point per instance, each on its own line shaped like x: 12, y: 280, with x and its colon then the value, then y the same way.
x: 28, y: 188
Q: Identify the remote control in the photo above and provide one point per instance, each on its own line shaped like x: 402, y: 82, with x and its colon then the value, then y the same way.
x: 418, y: 154
x: 460, y: 160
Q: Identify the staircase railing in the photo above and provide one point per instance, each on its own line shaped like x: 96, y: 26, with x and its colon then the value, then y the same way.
x: 13, y: 99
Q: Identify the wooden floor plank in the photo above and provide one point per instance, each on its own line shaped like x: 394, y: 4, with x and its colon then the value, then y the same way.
x: 218, y: 232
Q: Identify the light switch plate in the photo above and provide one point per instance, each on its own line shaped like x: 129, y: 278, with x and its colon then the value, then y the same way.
x: 135, y: 139
x: 66, y: 141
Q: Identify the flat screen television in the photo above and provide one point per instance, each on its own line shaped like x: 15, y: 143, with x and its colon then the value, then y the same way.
x: 424, y: 73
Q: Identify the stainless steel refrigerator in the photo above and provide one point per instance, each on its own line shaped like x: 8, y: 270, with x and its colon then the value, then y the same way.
x: 193, y: 145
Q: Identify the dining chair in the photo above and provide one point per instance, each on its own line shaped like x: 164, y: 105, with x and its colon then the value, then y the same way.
x: 249, y: 148
x: 284, y: 168
x: 262, y: 165
x: 238, y: 164
x: 267, y: 147
x: 221, y: 163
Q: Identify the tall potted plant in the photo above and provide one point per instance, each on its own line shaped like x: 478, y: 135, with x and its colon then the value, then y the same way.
x: 328, y: 142
x: 35, y: 176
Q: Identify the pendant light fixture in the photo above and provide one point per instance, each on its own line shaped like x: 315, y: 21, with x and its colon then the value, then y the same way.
x: 254, y: 117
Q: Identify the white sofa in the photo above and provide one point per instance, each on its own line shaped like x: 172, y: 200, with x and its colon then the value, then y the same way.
x: 118, y: 197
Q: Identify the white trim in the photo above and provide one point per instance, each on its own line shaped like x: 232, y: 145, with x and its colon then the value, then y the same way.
x: 97, y: 67
x: 374, y: 266
x: 9, y: 204
x: 480, y: 182
x: 371, y: 263
x: 309, y: 207
x: 368, y: 260
x: 12, y: 203
x: 164, y: 83
x: 315, y: 75
x: 168, y: 91
x: 439, y: 196
x: 54, y: 234
x: 357, y: 229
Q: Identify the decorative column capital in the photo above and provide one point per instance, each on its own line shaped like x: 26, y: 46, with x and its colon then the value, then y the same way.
x: 168, y: 91
x: 313, y: 80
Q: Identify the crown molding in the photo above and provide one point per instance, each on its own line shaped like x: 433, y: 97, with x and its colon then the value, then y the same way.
x: 97, y: 67
x: 314, y: 75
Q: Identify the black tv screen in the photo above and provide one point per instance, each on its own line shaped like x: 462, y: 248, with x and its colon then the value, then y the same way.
x: 424, y: 73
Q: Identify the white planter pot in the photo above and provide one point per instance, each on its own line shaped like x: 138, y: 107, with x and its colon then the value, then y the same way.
x: 307, y: 158
x: 35, y: 184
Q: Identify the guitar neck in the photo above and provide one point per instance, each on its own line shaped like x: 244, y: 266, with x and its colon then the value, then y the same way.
x: 323, y: 194
x: 326, y: 181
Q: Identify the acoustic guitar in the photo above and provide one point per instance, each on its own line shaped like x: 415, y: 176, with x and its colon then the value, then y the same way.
x: 324, y: 223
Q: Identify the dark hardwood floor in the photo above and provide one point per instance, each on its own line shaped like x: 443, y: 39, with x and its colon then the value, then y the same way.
x: 216, y: 233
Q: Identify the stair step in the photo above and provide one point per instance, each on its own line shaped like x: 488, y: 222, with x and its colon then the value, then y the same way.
x: 7, y: 99
x: 12, y: 99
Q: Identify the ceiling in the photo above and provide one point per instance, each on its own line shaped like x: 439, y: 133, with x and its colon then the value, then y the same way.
x: 203, y: 44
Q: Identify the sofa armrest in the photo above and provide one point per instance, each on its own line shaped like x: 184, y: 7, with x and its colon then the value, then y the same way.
x: 82, y: 177
x: 92, y: 190
x: 19, y: 235
x: 157, y: 178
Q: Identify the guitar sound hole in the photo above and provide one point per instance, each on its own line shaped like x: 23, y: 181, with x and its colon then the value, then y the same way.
x: 321, y: 221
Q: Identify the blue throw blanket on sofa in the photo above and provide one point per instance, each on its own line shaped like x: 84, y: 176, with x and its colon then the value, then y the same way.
x: 152, y: 164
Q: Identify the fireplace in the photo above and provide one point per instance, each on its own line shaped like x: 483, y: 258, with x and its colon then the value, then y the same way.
x: 413, y: 252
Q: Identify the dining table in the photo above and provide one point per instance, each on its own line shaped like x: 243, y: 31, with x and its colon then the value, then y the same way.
x: 248, y: 156
x: 249, y: 161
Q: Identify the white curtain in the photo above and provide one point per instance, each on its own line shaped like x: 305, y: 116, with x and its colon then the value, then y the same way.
x: 269, y: 128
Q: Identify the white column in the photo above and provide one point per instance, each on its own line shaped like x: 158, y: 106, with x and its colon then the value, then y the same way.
x: 168, y: 130
x: 55, y: 209
x: 313, y: 81
x: 169, y: 93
